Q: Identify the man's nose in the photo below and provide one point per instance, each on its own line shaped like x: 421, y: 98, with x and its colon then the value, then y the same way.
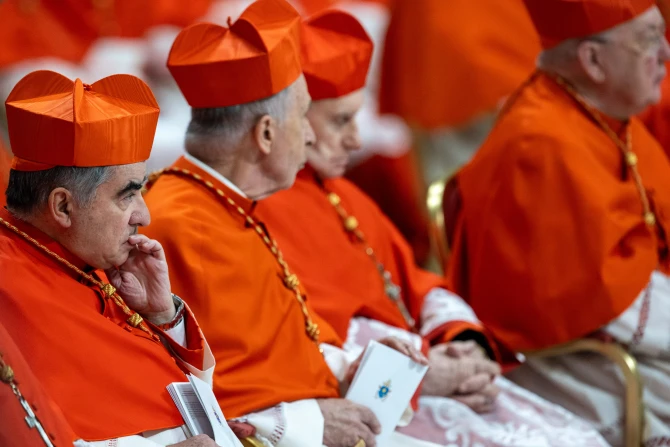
x: 141, y: 216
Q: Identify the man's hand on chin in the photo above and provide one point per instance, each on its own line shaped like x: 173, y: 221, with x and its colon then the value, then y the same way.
x: 143, y: 281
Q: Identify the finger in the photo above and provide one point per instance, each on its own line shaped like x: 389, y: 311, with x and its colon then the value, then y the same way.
x: 241, y: 429
x: 396, y: 344
x: 483, y: 401
x: 477, y: 402
x: 146, y: 245
x: 461, y: 348
x: 491, y: 391
x: 363, y: 432
x: 418, y: 356
x: 369, y: 419
x: 474, y: 384
x: 487, y: 366
x: 141, y: 239
x: 440, y: 349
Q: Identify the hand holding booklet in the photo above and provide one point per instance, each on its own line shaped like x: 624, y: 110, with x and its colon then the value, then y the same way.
x: 201, y: 411
x: 385, y: 383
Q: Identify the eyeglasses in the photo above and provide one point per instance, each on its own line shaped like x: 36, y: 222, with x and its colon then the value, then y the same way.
x: 649, y: 44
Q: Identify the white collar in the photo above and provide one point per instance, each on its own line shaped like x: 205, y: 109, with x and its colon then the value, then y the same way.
x: 214, y: 173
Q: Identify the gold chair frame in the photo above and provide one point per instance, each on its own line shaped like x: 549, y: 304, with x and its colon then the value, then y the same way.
x: 438, y: 230
x: 251, y: 442
x: 634, y: 420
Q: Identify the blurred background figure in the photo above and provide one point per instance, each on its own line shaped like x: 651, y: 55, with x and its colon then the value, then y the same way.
x: 463, y: 59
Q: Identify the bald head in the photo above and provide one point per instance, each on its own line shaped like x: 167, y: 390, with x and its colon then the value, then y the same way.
x: 619, y: 71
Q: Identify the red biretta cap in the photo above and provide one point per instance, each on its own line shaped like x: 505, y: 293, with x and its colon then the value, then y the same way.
x: 54, y: 121
x: 336, y: 53
x: 254, y: 58
x: 559, y: 20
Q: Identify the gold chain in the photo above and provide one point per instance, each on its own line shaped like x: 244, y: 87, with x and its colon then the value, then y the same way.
x: 350, y: 223
x: 290, y: 279
x: 626, y: 149
x: 134, y: 319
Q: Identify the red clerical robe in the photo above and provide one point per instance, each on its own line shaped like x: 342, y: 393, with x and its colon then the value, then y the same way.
x: 233, y: 283
x: 341, y: 279
x: 550, y: 243
x: 30, y: 30
x: 14, y: 431
x: 5, y: 164
x: 463, y: 58
x: 107, y: 377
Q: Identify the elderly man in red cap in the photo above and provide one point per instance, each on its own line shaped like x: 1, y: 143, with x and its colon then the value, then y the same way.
x: 89, y: 296
x: 279, y: 366
x: 565, y: 211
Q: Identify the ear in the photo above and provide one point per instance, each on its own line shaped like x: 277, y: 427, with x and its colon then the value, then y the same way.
x: 265, y: 133
x: 60, y: 206
x: 589, y: 55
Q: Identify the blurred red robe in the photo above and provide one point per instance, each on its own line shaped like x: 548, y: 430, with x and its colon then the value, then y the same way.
x: 550, y: 243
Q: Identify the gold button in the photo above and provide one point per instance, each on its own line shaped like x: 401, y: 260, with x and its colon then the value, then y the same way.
x: 108, y: 290
x: 135, y: 320
x: 6, y: 374
x: 291, y: 281
x: 650, y: 219
x: 351, y: 223
x: 334, y: 199
x: 631, y: 159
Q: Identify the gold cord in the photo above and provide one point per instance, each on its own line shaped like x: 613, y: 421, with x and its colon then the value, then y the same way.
x: 290, y: 279
x: 350, y: 223
x: 109, y: 290
x: 626, y: 149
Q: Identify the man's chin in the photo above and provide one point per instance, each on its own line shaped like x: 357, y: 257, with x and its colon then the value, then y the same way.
x: 122, y: 257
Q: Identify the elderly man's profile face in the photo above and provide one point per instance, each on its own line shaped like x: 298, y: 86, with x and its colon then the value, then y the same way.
x: 100, y: 231
x: 294, y: 135
x: 634, y: 57
x: 334, y: 124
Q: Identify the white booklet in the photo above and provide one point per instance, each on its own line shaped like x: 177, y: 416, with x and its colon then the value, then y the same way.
x: 201, y: 411
x: 385, y: 383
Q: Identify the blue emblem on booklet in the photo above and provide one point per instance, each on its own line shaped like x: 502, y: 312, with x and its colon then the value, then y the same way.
x: 218, y: 419
x: 384, y: 390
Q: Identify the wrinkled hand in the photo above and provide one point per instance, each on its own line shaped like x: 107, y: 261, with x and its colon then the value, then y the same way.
x: 460, y: 377
x: 143, y: 281
x: 242, y: 429
x: 196, y: 441
x: 478, y: 393
x: 394, y: 343
x: 346, y: 423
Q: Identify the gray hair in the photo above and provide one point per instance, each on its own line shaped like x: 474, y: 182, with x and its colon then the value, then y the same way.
x: 563, y: 57
x: 29, y: 191
x: 228, y: 125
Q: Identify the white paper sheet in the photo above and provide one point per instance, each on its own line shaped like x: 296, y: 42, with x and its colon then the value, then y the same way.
x: 385, y: 382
